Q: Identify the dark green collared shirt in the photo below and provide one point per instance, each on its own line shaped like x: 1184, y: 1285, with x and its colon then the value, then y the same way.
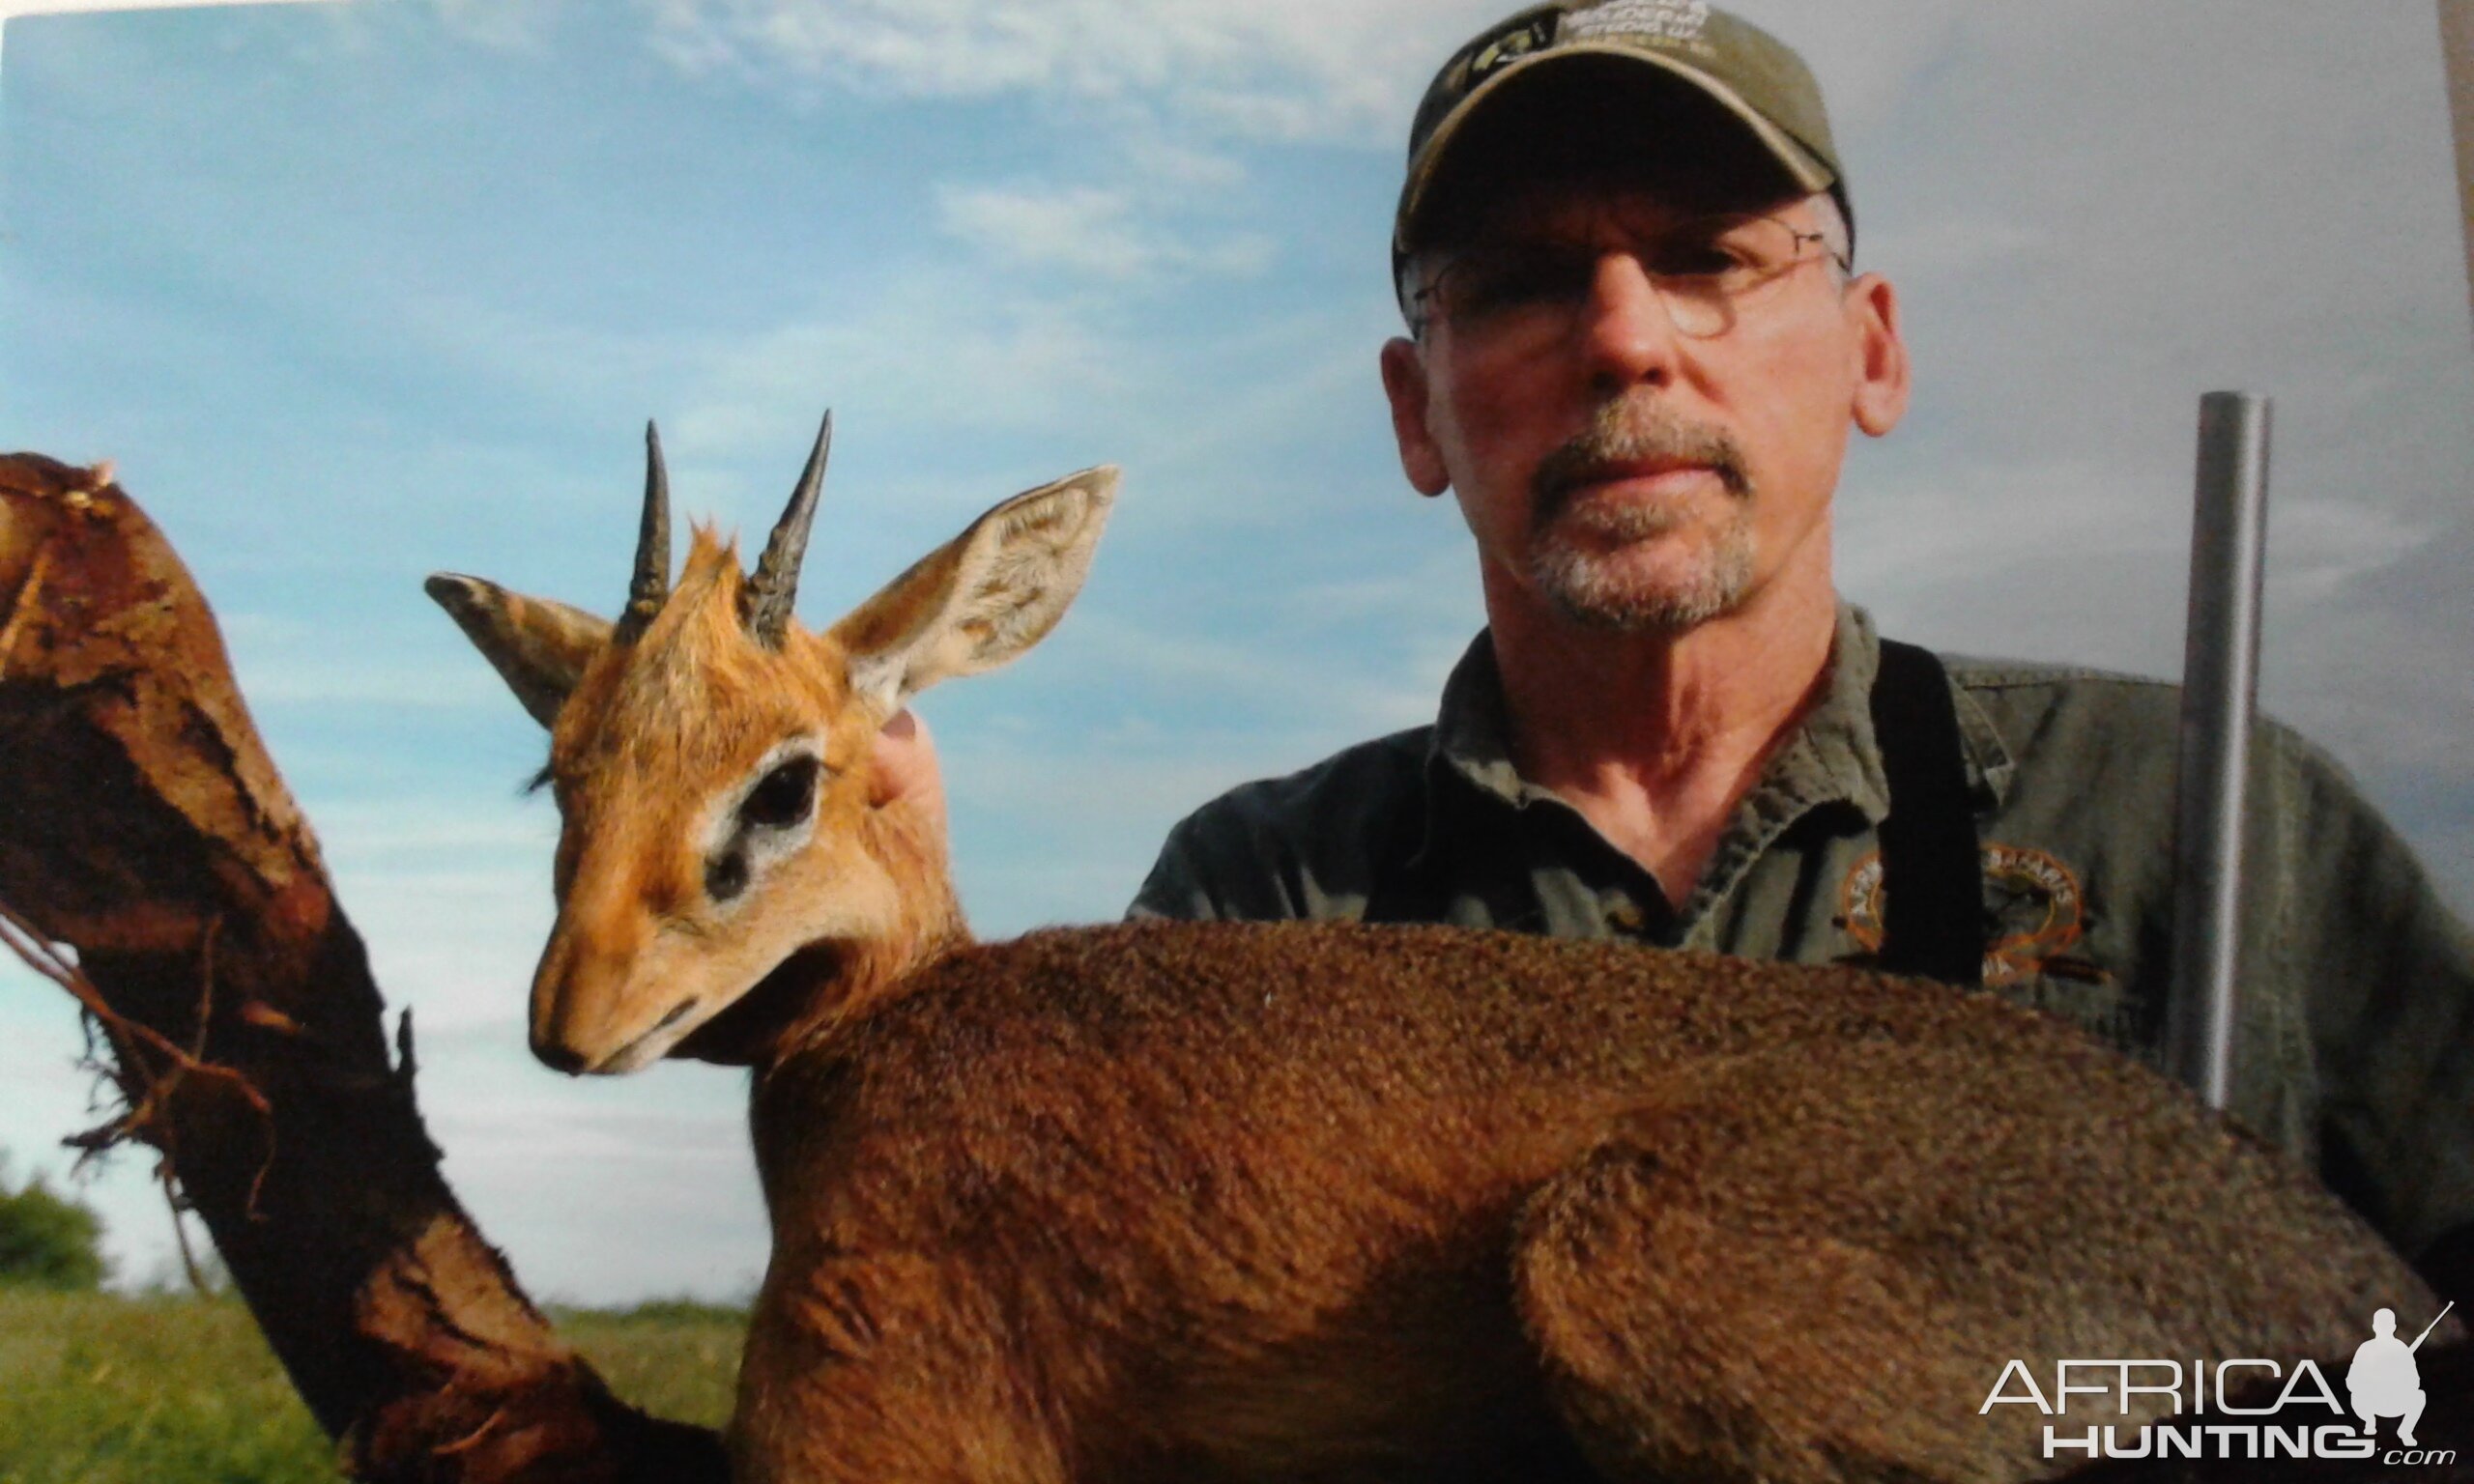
x: 2355, y: 1044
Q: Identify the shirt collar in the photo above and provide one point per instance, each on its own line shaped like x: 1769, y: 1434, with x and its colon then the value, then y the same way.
x: 1471, y: 734
x: 1834, y: 755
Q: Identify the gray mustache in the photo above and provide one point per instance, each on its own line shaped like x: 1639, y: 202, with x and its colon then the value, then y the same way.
x: 1625, y: 431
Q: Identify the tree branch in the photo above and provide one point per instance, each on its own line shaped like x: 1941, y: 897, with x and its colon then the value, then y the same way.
x: 147, y: 828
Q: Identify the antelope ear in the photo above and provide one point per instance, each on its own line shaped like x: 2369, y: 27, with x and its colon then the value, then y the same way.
x: 538, y: 647
x: 982, y: 598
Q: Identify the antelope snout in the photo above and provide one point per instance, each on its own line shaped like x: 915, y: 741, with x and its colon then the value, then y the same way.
x: 560, y: 1036
x: 556, y: 1056
x: 585, y: 1018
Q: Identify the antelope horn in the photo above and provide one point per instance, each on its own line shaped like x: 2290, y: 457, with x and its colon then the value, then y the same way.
x: 651, y: 584
x: 770, y: 592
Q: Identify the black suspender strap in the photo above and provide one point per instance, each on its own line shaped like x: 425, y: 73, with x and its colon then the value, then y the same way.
x: 1932, y: 879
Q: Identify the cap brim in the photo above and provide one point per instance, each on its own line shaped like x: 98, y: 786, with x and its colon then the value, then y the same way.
x: 1800, y: 162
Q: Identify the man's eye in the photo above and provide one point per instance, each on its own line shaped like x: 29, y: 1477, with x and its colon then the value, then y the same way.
x: 1697, y: 259
x: 1514, y: 279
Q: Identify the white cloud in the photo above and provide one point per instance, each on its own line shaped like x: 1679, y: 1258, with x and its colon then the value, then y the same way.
x: 1084, y: 229
x: 1081, y: 227
x: 344, y: 680
x: 1958, y: 243
x: 936, y: 349
x: 1165, y: 89
x: 1272, y: 69
x: 1868, y: 58
x: 1156, y: 158
x: 497, y: 24
x: 10, y: 8
x: 1309, y: 367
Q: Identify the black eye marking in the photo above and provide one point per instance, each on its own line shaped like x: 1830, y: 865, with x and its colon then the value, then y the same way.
x: 727, y: 877
x: 782, y: 798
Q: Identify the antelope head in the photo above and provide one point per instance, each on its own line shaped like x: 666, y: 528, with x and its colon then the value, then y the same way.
x: 710, y: 760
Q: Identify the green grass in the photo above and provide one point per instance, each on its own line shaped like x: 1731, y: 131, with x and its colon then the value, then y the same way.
x: 673, y: 1358
x: 95, y: 1388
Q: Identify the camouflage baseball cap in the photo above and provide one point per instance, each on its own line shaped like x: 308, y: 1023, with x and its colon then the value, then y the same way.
x: 1741, y: 68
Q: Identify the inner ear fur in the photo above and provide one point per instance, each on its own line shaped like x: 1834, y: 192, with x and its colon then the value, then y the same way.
x: 982, y: 598
x: 538, y: 647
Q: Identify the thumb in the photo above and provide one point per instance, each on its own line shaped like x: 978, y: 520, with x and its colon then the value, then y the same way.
x: 903, y: 763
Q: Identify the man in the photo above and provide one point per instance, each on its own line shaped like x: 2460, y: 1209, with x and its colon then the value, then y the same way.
x: 1637, y: 343
x: 1636, y: 348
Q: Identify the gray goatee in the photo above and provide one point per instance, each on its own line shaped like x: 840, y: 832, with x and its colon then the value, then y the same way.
x: 1578, y: 552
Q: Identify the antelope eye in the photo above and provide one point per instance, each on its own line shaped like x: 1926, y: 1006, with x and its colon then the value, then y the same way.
x: 784, y: 797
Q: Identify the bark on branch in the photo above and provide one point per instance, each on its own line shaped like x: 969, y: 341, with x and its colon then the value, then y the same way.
x: 143, y: 824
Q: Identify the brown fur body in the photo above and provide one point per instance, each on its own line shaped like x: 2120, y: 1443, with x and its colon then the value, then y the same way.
x: 1325, y: 1202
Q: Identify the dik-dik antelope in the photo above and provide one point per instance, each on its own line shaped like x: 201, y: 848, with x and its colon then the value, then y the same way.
x: 1332, y: 1203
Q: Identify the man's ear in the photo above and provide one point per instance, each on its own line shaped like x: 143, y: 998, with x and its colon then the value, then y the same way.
x: 1405, y: 386
x: 1882, y: 371
x: 538, y: 647
x: 982, y: 598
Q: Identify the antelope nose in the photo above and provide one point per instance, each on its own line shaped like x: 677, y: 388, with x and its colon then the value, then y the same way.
x: 559, y: 1058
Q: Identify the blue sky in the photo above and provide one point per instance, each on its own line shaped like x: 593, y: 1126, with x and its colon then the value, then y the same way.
x: 355, y: 292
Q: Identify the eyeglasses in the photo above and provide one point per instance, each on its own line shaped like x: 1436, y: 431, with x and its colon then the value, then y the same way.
x: 1527, y: 293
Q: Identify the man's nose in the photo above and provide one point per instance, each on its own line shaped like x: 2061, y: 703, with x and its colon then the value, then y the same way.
x: 1628, y: 332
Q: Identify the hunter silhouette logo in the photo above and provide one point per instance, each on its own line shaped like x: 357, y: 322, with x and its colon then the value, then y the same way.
x: 2384, y: 1381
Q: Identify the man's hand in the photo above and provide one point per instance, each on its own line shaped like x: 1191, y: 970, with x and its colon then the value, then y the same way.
x: 904, y: 770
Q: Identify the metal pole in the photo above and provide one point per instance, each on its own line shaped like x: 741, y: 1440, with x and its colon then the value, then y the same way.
x: 2456, y: 55
x: 2220, y: 690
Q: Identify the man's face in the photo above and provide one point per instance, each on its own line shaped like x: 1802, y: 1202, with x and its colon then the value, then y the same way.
x: 1625, y: 458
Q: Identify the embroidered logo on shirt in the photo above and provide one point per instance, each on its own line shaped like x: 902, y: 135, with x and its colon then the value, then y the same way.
x: 2035, y: 912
